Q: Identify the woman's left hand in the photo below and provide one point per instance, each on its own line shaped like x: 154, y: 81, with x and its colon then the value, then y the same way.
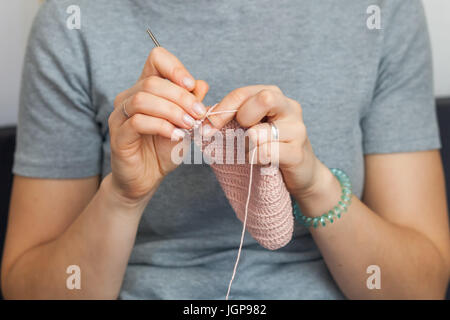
x: 302, y: 171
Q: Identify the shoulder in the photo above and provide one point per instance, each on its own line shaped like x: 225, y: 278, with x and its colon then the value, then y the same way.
x: 402, y: 14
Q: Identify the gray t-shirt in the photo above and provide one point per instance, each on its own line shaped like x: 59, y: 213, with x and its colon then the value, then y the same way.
x: 362, y: 91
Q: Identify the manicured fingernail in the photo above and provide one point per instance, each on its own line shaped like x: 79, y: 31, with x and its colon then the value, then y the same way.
x: 199, y: 109
x: 189, y: 83
x: 208, y: 131
x: 188, y: 120
x: 177, y: 134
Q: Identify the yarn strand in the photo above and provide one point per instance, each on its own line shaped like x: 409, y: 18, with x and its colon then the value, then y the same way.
x: 244, y: 224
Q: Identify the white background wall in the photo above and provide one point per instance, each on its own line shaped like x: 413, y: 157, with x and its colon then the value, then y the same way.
x: 438, y: 13
x: 15, y: 22
x: 16, y: 17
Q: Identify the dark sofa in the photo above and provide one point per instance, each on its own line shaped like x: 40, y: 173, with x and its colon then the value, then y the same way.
x: 7, y: 145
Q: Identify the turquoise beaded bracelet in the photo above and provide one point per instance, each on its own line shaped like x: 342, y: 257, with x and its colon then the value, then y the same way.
x: 334, y: 213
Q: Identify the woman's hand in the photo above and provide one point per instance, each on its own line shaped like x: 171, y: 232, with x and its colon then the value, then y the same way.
x: 302, y: 171
x: 146, y: 122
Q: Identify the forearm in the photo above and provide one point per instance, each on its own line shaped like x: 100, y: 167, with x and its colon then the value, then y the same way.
x: 411, y: 266
x: 99, y: 241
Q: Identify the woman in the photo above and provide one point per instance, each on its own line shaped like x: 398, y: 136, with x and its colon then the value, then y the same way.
x: 95, y: 186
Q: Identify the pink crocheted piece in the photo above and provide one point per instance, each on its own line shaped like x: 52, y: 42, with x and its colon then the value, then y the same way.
x: 269, y: 219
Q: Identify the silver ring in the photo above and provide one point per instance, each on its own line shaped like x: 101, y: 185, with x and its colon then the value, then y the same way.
x: 124, y: 110
x: 275, y: 132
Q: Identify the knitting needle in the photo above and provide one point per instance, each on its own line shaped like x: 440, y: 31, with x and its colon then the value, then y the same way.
x: 153, y: 38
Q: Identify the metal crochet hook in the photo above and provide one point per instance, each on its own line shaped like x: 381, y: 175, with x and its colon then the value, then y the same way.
x: 153, y: 38
x: 156, y: 42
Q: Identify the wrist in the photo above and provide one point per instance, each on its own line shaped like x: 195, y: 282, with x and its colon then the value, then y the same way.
x: 118, y: 200
x: 321, y: 195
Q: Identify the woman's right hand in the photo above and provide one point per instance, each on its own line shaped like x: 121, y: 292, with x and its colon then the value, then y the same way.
x: 165, y: 98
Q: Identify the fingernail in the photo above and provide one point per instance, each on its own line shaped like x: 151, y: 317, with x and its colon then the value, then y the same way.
x: 199, y: 108
x: 206, y: 129
x: 177, y: 134
x: 188, y: 120
x: 189, y: 83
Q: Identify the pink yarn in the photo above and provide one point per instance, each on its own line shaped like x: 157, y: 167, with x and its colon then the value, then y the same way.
x: 270, y: 220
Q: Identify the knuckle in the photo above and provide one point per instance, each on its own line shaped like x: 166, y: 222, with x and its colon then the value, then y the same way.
x: 135, y: 121
x: 138, y: 99
x: 184, y: 98
x: 176, y: 70
x: 266, y: 97
x: 275, y: 88
x: 237, y: 95
x: 150, y: 83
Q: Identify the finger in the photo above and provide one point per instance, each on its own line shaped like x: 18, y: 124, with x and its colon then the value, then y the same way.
x: 140, y: 124
x: 168, y: 90
x: 287, y: 131
x: 268, y: 104
x: 201, y: 89
x: 161, y: 62
x: 233, y: 101
x: 274, y: 153
x: 151, y: 105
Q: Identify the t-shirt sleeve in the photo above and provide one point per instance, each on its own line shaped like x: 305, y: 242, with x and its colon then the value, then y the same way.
x: 58, y: 135
x: 402, y: 116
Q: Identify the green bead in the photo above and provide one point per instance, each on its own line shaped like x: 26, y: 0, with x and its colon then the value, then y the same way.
x: 315, y: 222
x: 307, y: 222
x: 330, y: 217
x: 322, y: 221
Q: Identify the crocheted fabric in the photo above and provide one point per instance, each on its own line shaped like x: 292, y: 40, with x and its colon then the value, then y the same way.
x: 269, y: 219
